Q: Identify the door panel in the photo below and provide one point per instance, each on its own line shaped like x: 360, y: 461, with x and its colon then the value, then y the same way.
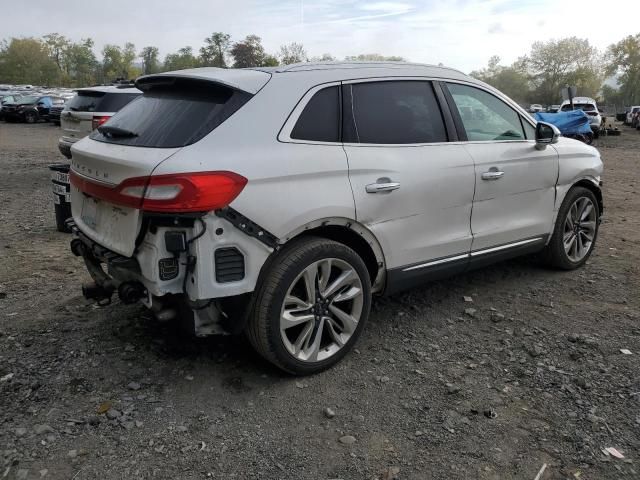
x: 515, y: 183
x: 428, y: 216
x: 519, y: 204
x: 412, y: 188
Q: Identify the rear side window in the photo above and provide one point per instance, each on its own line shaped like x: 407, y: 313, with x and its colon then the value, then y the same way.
x: 172, y: 113
x: 320, y: 119
x: 395, y: 112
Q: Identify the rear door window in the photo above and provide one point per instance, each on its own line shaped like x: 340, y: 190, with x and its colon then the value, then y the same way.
x: 320, y: 119
x: 174, y: 112
x: 394, y: 112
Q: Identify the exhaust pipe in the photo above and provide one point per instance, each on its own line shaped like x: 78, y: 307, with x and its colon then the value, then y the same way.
x: 131, y: 292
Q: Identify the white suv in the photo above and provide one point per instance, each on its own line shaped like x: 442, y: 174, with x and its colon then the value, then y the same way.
x: 588, y: 106
x: 277, y: 201
x: 89, y: 109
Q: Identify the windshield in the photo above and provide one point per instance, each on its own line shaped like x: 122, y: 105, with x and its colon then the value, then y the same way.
x: 27, y: 100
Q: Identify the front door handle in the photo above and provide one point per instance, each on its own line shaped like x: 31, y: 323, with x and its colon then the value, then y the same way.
x: 493, y: 174
x: 382, y: 185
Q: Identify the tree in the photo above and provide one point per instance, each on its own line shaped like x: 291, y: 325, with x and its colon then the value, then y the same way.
x: 373, y: 57
x: 249, y: 53
x: 513, y: 80
x: 180, y: 60
x: 325, y: 57
x: 57, y: 45
x: 150, y: 63
x: 556, y: 63
x: 118, y: 62
x: 27, y: 60
x: 215, y: 49
x: 624, y: 59
x: 292, y: 53
x: 81, y: 65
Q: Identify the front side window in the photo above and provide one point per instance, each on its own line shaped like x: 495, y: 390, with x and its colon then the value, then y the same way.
x: 395, y: 112
x: 484, y: 116
x: 320, y: 119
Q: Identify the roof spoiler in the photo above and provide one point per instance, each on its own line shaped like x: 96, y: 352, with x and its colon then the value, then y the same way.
x: 250, y: 81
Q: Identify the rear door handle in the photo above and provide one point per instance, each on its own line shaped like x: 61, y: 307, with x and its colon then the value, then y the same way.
x: 492, y: 175
x: 383, y: 185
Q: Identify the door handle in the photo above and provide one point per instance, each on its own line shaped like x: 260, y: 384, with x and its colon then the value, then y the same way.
x: 492, y: 175
x: 383, y: 185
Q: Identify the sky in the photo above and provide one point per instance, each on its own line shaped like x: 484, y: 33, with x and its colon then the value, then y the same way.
x: 462, y: 34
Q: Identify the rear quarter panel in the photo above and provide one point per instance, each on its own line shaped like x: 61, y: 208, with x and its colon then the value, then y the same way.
x: 289, y: 184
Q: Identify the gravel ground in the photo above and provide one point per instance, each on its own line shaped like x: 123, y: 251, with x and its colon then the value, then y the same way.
x: 488, y: 375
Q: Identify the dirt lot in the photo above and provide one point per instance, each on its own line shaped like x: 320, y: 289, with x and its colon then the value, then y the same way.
x: 535, y: 375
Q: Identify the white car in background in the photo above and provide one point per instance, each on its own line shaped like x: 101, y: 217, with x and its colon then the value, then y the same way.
x: 631, y: 113
x: 276, y: 201
x: 588, y: 106
x: 89, y: 109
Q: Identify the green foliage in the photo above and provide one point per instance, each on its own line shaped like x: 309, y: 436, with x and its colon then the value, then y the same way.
x: 623, y: 58
x: 249, y: 53
x: 292, y: 53
x: 513, y: 80
x: 117, y: 62
x: 180, y: 60
x: 568, y: 61
x: 373, y: 57
x: 27, y: 61
x: 150, y: 62
x: 80, y: 64
x: 215, y: 50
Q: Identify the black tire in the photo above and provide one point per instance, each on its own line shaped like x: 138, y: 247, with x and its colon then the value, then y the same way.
x: 263, y: 328
x: 555, y: 254
x: 30, y: 117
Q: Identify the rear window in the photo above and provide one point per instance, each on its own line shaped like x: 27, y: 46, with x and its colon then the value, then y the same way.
x: 93, y: 101
x: 587, y: 107
x: 172, y: 113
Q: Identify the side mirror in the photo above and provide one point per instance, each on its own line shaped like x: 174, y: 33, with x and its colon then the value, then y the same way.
x: 41, y: 104
x: 546, y: 134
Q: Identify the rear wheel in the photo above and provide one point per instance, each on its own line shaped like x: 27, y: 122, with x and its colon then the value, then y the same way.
x: 576, y: 230
x: 311, y: 307
x: 30, y: 117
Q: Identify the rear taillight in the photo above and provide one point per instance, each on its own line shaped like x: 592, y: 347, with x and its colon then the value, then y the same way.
x: 174, y: 193
x: 98, y: 120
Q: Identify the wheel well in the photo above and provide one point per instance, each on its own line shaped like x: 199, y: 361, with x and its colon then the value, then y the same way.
x: 596, y: 191
x: 352, y: 240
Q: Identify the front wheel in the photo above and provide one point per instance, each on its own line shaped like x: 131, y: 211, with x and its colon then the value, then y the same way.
x: 30, y: 117
x: 576, y: 230
x: 311, y: 306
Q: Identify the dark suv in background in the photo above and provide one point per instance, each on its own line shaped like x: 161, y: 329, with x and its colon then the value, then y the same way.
x: 30, y: 108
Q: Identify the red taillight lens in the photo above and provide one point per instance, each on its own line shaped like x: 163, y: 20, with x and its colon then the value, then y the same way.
x: 175, y: 193
x: 98, y: 120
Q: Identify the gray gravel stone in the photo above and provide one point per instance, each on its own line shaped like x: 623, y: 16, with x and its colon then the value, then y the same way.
x: 347, y: 439
x: 329, y: 413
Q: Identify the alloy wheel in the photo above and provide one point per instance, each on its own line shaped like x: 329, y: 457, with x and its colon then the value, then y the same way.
x: 321, y: 310
x: 579, y: 229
